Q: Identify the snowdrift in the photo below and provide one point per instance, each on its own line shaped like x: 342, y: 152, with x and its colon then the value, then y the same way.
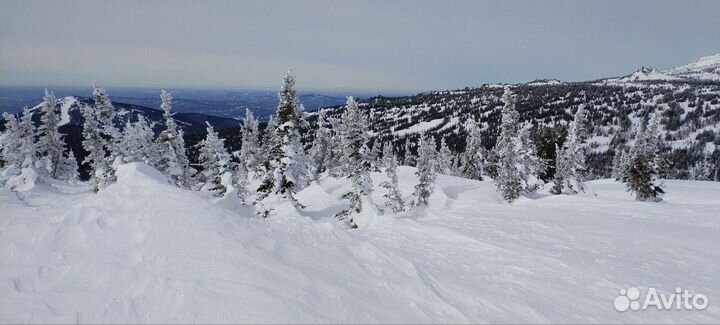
x: 143, y: 251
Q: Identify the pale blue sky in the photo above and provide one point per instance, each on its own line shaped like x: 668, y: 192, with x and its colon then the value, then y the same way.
x: 371, y: 46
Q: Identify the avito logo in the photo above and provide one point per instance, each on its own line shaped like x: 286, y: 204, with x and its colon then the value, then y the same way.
x: 679, y: 300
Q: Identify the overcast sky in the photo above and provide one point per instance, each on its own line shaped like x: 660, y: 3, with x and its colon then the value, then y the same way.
x: 377, y: 46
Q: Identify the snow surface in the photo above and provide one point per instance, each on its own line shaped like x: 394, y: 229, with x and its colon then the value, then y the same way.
x: 66, y: 104
x: 644, y: 74
x: 420, y: 127
x: 145, y: 251
x: 544, y: 82
x: 707, y: 67
x: 704, y: 68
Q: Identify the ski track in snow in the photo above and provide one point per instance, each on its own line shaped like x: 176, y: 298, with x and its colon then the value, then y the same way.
x: 143, y: 251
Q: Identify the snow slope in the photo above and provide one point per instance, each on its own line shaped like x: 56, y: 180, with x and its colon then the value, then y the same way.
x: 419, y: 127
x: 644, y: 74
x: 144, y: 251
x: 706, y: 68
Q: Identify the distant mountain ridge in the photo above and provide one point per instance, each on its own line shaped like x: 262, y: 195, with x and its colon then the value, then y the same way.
x: 703, y: 69
x: 687, y: 98
x: 69, y: 110
x: 222, y: 103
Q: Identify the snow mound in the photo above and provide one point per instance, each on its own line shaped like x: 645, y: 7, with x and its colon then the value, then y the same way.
x: 20, y: 180
x: 137, y: 172
x: 144, y: 251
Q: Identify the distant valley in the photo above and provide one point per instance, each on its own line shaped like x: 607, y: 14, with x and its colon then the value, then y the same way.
x: 221, y: 103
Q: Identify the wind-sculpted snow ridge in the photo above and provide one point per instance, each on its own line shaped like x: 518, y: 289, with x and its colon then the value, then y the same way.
x: 144, y: 251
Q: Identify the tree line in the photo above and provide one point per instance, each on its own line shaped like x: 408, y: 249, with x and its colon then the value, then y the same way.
x: 288, y: 154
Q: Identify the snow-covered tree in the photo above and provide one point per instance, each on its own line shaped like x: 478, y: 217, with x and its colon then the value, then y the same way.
x: 618, y: 162
x: 374, y: 156
x: 242, y: 180
x: 408, y: 159
x: 68, y: 170
x: 170, y: 157
x: 508, y: 180
x: 387, y: 154
x: 320, y: 152
x: 456, y: 164
x: 266, y: 143
x: 137, y: 141
x: 19, y: 151
x: 644, y: 163
x: 18, y: 141
x: 93, y: 143
x: 393, y: 195
x: 11, y: 141
x: 570, y: 167
x: 425, y: 171
x: 287, y: 168
x: 250, y: 150
x: 473, y: 159
x: 444, y: 163
x: 703, y: 169
x: 354, y: 140
x: 216, y: 175
x: 530, y: 165
x: 105, y: 114
x: 50, y: 144
x: 334, y: 161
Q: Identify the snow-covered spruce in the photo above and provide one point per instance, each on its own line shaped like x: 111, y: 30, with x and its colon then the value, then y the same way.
x: 170, y: 157
x: 393, y: 196
x: 250, y: 151
x: 644, y: 164
x: 529, y: 165
x: 216, y: 175
x: 286, y: 168
x: 19, y: 152
x: 94, y: 144
x: 508, y: 180
x: 703, y: 170
x: 50, y: 143
x: 18, y: 149
x: 408, y: 158
x: 137, y: 141
x: 266, y: 142
x: 321, y: 150
x: 570, y: 167
x: 444, y: 158
x: 425, y: 171
x: 105, y: 115
x: 69, y: 169
x: 473, y: 159
x: 374, y: 155
x: 619, y: 160
x: 335, y: 153
x: 354, y: 139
